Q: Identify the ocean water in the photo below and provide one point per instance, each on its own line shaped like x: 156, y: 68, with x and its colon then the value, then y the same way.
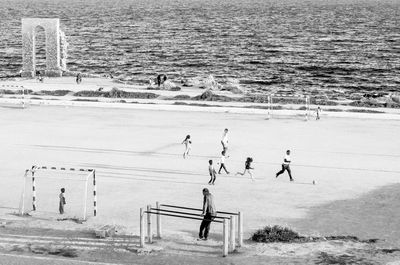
x: 265, y: 44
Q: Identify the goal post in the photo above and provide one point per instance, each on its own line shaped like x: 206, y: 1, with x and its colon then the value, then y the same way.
x: 39, y: 193
x: 275, y: 101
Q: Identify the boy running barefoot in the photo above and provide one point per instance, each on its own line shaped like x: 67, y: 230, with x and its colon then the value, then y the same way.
x: 62, y: 201
x: 247, y: 168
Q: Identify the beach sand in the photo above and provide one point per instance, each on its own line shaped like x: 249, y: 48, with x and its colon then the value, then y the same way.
x: 138, y: 158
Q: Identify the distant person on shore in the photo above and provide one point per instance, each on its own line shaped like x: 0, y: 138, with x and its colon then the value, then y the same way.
x: 212, y: 172
x: 40, y: 77
x: 188, y: 146
x: 318, y: 111
x: 78, y: 78
x: 247, y: 168
x: 222, y: 161
x: 286, y: 166
x: 161, y: 79
x: 62, y: 201
x: 224, y: 140
x: 209, y: 213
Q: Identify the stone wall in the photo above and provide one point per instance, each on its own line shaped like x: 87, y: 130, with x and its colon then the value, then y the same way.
x: 51, y: 27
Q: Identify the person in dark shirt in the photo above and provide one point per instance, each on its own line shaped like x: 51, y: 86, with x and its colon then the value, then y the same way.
x: 247, y: 168
x: 209, y: 213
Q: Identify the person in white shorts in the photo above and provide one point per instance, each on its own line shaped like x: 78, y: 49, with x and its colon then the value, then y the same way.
x: 224, y: 140
x: 286, y: 166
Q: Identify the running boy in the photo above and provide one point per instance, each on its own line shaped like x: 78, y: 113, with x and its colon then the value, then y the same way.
x: 247, y: 168
x: 62, y: 201
x: 286, y: 166
x: 188, y: 146
x: 212, y: 172
x: 222, y: 161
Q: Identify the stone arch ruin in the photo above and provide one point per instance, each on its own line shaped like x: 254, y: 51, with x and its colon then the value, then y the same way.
x: 55, y: 46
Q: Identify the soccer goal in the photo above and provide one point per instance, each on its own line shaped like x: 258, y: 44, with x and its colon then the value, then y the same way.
x: 42, y: 188
x: 297, y: 106
x: 16, y: 101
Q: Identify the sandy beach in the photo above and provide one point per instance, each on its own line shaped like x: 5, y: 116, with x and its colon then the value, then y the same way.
x: 138, y: 158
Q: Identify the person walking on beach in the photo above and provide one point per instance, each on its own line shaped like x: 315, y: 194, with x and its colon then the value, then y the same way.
x: 212, y: 172
x: 222, y: 161
x: 188, y: 146
x: 209, y: 213
x: 78, y: 78
x: 247, y: 168
x: 62, y: 201
x: 286, y: 166
x: 224, y: 140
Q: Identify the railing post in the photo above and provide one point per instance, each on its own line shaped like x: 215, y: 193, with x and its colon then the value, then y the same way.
x: 240, y: 229
x: 149, y: 232
x: 232, y: 239
x: 225, y: 235
x: 158, y: 220
x: 141, y: 228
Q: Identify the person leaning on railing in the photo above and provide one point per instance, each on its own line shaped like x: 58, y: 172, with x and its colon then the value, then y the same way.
x: 209, y: 213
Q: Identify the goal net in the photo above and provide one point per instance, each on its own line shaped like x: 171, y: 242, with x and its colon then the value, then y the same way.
x: 42, y: 188
x: 13, y: 98
x: 288, y: 106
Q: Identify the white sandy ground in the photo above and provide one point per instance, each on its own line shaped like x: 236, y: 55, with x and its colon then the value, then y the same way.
x: 137, y: 154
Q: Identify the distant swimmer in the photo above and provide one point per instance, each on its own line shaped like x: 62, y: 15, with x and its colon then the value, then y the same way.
x: 222, y: 162
x: 188, y: 146
x: 247, y: 168
x: 286, y: 166
x: 212, y: 172
x: 224, y: 141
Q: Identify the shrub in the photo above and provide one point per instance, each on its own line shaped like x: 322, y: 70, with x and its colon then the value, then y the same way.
x: 181, y: 97
x: 55, y: 93
x: 365, y: 111
x: 275, y: 234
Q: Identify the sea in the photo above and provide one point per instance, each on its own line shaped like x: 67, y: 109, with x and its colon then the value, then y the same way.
x: 261, y: 44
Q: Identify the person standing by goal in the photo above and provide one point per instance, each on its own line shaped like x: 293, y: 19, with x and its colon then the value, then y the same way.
x: 286, y: 166
x: 62, y: 201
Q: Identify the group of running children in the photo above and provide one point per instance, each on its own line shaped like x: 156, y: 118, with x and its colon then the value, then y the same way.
x: 247, y: 166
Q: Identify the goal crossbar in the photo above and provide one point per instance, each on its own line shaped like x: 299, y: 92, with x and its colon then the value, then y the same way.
x: 304, y: 98
x: 30, y: 173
